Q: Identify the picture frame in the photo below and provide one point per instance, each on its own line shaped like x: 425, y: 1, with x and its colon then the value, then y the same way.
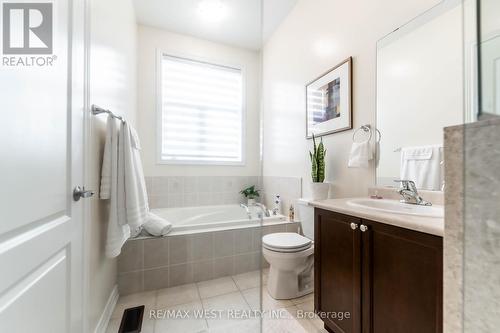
x: 329, y: 101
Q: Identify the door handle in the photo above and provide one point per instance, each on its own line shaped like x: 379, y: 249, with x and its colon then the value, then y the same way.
x: 80, y: 192
x: 354, y: 226
x: 363, y: 228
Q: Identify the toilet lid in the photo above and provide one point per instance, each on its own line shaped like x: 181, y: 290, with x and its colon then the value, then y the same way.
x: 286, y: 242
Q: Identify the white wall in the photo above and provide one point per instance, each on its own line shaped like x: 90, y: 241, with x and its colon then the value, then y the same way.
x: 112, y: 85
x: 419, y: 79
x: 152, y: 39
x: 317, y: 35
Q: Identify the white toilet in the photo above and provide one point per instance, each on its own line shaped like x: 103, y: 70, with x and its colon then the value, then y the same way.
x: 291, y: 258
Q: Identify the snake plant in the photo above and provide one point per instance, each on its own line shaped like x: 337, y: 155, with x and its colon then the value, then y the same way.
x: 318, y: 162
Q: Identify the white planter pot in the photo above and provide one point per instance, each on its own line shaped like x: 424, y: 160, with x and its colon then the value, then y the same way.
x: 250, y: 202
x: 319, y: 191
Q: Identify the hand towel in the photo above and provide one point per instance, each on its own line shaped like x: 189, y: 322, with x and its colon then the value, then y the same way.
x: 117, y: 232
x: 156, y: 226
x: 422, y: 165
x: 360, y: 155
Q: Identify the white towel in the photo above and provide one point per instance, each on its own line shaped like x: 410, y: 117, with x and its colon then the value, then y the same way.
x: 136, y: 198
x: 123, y: 182
x: 117, y: 233
x: 120, y: 170
x: 361, y: 154
x: 423, y: 166
x: 110, y: 142
x: 156, y: 226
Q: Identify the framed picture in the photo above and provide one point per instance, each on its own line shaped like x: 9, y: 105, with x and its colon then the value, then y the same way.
x: 329, y: 101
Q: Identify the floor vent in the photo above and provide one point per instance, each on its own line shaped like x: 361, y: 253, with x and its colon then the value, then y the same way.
x: 132, y: 320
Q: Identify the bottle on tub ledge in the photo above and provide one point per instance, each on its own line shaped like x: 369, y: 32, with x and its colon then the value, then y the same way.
x: 277, y: 205
x: 291, y: 214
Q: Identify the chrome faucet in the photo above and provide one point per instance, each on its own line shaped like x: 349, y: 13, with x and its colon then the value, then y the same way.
x: 265, y: 211
x: 247, y: 210
x: 410, y: 194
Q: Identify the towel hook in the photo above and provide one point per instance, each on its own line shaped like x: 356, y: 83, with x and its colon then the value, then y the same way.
x: 367, y: 129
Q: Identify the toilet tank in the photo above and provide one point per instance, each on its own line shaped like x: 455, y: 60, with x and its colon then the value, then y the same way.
x: 306, y: 217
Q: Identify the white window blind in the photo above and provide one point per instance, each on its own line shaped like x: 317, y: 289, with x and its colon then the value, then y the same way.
x: 201, y: 112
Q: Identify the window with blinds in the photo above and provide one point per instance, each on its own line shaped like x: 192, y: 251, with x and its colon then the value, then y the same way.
x: 201, y: 112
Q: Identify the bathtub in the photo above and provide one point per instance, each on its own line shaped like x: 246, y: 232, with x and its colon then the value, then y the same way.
x: 188, y: 220
x: 206, y: 242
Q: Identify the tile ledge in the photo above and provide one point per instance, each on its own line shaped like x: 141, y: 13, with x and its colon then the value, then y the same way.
x: 480, y: 123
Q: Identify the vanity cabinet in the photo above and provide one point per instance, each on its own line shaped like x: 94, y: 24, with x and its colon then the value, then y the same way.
x: 388, y: 279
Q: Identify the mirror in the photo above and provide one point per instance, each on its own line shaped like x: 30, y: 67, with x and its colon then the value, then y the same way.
x: 419, y: 92
x: 490, y: 75
x: 489, y: 63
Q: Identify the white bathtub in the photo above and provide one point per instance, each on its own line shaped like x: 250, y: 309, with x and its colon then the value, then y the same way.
x: 188, y: 220
x: 205, y: 242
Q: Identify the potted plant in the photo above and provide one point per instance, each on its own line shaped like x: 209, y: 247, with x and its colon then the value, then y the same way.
x: 250, y: 193
x: 319, y: 189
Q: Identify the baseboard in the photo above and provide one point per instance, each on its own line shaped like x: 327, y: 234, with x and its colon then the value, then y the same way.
x: 107, y: 312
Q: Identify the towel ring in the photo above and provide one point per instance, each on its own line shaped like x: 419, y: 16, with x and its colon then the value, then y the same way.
x: 367, y: 129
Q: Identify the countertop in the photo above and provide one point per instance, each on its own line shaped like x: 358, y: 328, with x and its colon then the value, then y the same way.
x: 429, y: 225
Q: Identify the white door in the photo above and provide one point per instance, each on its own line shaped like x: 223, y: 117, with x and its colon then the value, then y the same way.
x: 41, y: 121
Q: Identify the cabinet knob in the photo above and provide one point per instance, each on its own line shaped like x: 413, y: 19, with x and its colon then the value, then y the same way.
x: 363, y: 228
x: 354, y: 226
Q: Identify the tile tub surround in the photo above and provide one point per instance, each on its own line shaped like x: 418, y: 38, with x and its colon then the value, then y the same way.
x: 237, y: 292
x: 154, y: 263
x: 472, y: 239
x: 187, y: 191
x: 289, y: 188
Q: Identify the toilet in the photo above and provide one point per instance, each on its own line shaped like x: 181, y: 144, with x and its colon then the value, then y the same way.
x: 291, y: 258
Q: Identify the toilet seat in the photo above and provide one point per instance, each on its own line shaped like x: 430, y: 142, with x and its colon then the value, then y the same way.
x: 288, y: 242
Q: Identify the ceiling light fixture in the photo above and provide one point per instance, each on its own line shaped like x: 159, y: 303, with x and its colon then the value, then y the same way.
x: 212, y: 10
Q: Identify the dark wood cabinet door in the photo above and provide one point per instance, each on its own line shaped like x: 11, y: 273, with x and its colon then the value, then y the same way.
x: 402, y: 280
x: 337, y: 271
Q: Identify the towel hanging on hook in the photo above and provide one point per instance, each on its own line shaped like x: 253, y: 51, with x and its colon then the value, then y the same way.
x: 362, y: 152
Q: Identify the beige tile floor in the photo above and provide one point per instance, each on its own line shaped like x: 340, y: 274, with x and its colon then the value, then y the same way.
x: 239, y: 292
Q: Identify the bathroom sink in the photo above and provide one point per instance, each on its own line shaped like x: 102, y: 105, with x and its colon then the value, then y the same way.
x: 396, y: 207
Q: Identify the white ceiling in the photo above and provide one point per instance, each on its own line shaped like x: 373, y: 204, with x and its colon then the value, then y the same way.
x: 241, y: 27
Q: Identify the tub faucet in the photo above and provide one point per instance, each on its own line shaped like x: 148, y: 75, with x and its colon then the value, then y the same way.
x: 265, y: 211
x: 410, y: 194
x: 247, y: 210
